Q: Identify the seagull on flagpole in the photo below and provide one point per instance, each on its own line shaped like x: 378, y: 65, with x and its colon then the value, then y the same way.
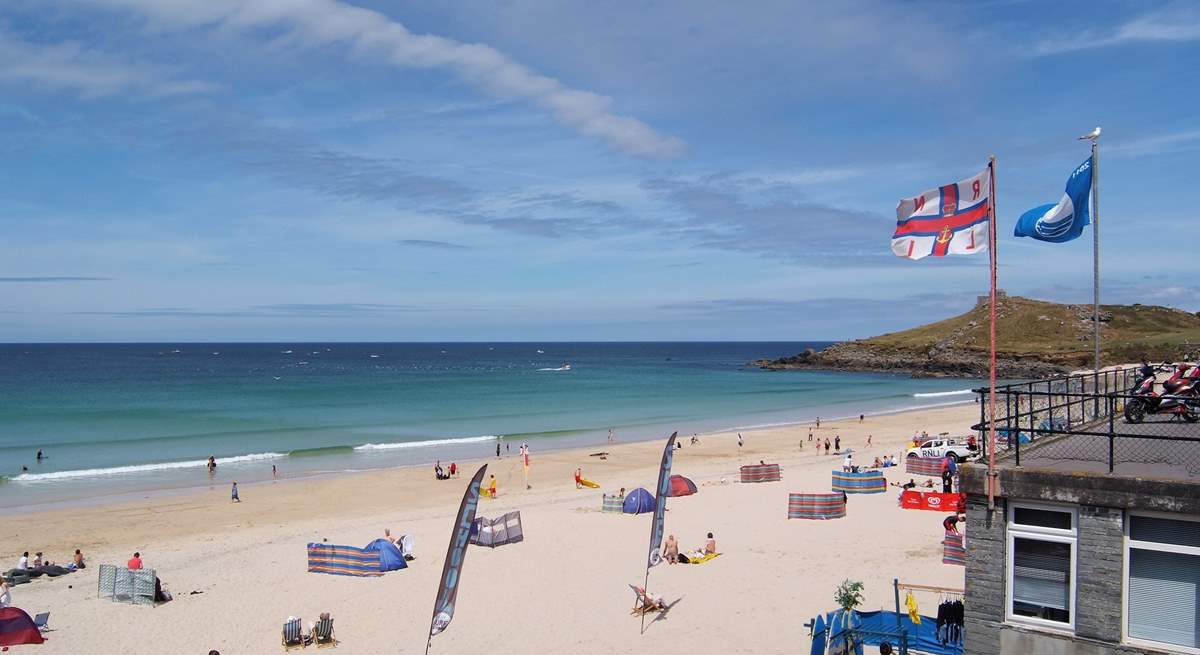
x: 1091, y: 136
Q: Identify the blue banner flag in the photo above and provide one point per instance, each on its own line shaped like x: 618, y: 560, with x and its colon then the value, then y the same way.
x: 460, y: 537
x: 1064, y: 221
x: 660, y: 501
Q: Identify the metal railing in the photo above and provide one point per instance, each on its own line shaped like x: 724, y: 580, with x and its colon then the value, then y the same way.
x: 1092, y: 418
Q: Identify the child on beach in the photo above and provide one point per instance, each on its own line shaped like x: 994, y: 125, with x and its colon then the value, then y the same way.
x: 233, y: 494
x: 492, y: 486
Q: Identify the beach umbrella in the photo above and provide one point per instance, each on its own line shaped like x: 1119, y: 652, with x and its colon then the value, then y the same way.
x: 681, y: 486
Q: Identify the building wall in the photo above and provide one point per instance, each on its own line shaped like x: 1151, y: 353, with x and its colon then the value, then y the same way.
x: 1099, y: 571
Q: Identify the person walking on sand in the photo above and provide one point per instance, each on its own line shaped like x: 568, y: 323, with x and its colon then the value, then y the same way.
x: 868, y: 440
x: 233, y: 494
x: 861, y: 417
x: 610, y: 435
x: 739, y: 443
x: 818, y: 422
x: 810, y: 434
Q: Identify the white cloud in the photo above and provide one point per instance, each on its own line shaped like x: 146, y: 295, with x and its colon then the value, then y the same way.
x: 1177, y: 23
x: 70, y: 67
x: 370, y: 34
x: 1154, y: 145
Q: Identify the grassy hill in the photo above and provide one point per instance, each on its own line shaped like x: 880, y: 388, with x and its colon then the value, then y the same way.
x: 1034, y: 338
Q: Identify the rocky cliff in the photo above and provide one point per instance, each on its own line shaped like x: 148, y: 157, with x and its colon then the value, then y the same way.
x: 1034, y: 339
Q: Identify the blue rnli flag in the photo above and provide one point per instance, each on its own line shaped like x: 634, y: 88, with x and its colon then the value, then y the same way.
x: 1066, y: 220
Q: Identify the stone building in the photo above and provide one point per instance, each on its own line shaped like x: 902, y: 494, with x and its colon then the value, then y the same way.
x: 1077, y: 560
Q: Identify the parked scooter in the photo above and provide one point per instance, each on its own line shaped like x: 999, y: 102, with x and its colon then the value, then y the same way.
x: 1179, y: 397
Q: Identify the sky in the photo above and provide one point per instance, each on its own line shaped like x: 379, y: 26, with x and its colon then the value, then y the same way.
x: 519, y: 170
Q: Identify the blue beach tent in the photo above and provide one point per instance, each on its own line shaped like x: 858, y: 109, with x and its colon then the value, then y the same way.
x: 637, y: 501
x: 390, y: 558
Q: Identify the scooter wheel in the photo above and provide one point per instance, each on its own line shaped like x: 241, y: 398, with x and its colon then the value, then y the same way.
x: 1190, y: 415
x: 1135, y: 411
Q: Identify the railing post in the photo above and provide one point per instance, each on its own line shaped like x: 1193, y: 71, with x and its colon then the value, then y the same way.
x: 1015, y: 439
x: 1112, y: 435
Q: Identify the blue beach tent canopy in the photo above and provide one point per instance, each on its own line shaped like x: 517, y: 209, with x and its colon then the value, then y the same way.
x: 637, y: 501
x: 390, y: 558
x: 873, y: 628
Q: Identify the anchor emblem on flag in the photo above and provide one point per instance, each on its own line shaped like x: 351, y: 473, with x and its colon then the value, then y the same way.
x: 945, y: 236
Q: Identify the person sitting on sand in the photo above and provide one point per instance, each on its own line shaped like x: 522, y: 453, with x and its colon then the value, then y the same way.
x: 848, y: 464
x: 387, y: 534
x: 5, y: 594
x: 877, y: 464
x: 23, y: 562
x: 622, y: 492
x: 710, y: 546
x: 38, y: 562
x: 671, y: 550
x: 78, y: 560
x: 911, y: 484
x: 135, y: 562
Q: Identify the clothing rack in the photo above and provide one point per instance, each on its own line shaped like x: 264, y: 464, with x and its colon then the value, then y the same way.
x: 897, y: 586
x: 952, y: 591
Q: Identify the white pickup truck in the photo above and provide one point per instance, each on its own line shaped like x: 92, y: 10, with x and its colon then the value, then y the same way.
x: 940, y: 447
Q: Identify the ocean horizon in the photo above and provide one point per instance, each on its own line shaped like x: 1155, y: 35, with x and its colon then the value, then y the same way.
x: 125, y: 418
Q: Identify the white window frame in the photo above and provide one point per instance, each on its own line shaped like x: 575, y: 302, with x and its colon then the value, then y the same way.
x: 1070, y: 537
x: 1130, y: 544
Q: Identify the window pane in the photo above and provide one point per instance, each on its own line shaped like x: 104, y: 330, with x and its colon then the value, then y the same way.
x: 1162, y: 597
x: 1165, y: 531
x: 1042, y: 518
x: 1041, y: 585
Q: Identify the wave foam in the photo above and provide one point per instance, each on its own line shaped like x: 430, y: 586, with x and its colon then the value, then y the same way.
x: 140, y: 468
x: 942, y: 393
x: 425, y: 444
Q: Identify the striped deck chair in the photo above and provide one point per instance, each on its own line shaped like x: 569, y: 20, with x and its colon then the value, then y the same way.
x: 954, y: 550
x: 643, y: 604
x: 291, y: 635
x: 863, y: 482
x: 816, y: 506
x: 322, y: 633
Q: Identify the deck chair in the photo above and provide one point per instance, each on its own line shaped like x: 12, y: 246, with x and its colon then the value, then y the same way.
x: 42, y: 621
x: 322, y: 633
x: 292, y: 637
x: 644, y: 605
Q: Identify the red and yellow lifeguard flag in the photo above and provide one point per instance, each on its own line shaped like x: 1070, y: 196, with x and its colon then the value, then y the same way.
x: 949, y: 220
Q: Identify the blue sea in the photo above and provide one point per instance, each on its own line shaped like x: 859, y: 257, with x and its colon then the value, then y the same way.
x: 120, y: 419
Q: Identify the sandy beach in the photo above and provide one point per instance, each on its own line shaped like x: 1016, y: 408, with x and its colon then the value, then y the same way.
x: 238, y: 570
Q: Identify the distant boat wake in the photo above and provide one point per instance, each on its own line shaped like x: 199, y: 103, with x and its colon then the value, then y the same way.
x: 940, y: 394
x: 560, y: 368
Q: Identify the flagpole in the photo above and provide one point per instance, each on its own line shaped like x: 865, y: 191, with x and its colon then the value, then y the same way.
x: 992, y: 336
x: 1096, y: 248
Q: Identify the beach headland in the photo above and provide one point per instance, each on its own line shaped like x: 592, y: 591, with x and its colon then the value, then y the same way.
x: 238, y: 570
